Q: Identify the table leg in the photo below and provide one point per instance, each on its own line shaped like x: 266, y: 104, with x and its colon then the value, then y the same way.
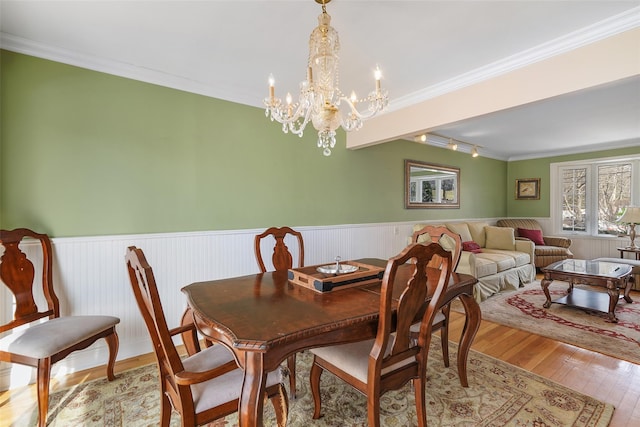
x: 473, y: 316
x: 628, y: 284
x: 545, y: 288
x: 253, y: 388
x: 614, y: 295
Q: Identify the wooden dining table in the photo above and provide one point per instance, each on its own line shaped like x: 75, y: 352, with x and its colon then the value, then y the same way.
x: 263, y: 318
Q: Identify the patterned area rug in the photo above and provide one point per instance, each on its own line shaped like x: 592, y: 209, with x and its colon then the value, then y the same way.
x: 499, y: 395
x: 522, y: 309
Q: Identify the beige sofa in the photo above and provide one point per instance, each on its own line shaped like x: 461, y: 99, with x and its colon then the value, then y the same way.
x: 501, y: 263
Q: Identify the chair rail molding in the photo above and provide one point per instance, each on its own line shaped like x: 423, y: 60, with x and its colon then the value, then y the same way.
x: 90, y: 275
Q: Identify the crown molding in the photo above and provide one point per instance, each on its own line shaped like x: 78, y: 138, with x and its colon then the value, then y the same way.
x: 116, y: 68
x: 580, y: 150
x: 598, y: 31
x: 616, y: 24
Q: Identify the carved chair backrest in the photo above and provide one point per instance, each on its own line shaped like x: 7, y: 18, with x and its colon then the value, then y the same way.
x: 281, y: 257
x: 416, y: 288
x: 144, y: 287
x: 436, y: 234
x: 18, y: 275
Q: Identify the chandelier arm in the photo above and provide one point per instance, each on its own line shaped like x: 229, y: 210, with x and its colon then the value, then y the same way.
x: 364, y: 116
x: 289, y: 113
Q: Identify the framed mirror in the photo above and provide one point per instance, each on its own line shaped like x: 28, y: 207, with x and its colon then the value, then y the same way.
x: 431, y: 186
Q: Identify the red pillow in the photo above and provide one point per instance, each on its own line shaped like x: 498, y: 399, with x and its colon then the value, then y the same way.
x: 534, y: 235
x: 471, y: 246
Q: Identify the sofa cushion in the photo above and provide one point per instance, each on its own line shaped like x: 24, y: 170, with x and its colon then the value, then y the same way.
x: 484, y: 266
x: 462, y: 229
x: 534, y: 235
x: 477, y: 232
x: 550, y: 251
x: 502, y: 261
x: 519, y: 258
x: 424, y: 238
x: 500, y: 238
x: 445, y: 241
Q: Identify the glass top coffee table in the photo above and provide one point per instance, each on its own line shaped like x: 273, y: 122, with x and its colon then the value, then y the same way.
x: 609, y: 275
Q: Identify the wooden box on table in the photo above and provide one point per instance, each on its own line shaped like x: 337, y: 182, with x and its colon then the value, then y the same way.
x: 311, y: 278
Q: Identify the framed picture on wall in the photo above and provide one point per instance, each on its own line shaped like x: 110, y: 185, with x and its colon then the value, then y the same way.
x: 528, y: 189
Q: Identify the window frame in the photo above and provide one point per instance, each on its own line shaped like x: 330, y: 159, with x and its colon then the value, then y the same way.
x: 591, y: 225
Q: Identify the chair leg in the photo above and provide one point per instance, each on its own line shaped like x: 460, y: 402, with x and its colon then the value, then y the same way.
x: 444, y: 335
x: 165, y: 410
x: 291, y: 365
x: 113, y: 344
x: 373, y: 404
x: 43, y: 379
x: 280, y: 404
x: 420, y: 396
x: 314, y: 383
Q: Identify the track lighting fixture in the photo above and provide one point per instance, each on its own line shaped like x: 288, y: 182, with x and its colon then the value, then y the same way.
x: 445, y: 142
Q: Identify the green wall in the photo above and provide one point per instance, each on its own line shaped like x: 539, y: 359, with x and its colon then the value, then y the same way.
x: 85, y: 153
x: 540, y: 168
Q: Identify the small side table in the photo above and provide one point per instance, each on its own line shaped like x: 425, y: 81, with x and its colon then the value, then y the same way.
x: 630, y: 250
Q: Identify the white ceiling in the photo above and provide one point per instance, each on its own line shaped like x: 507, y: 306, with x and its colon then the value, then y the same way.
x: 226, y: 49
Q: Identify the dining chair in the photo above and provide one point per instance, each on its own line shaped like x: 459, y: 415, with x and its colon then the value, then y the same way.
x: 50, y: 337
x: 452, y: 242
x: 202, y: 387
x: 282, y: 260
x: 393, y: 358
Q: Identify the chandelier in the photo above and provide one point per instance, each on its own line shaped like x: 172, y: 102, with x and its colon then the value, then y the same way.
x: 321, y: 101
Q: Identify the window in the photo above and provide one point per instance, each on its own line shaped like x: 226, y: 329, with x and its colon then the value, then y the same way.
x: 588, y: 197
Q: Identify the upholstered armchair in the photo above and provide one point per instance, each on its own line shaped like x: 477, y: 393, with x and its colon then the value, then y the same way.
x: 547, y: 249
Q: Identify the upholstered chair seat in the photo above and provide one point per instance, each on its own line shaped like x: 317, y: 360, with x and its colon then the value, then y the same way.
x: 37, y: 335
x: 53, y: 336
x: 224, y: 388
x: 394, y: 357
x: 206, y: 385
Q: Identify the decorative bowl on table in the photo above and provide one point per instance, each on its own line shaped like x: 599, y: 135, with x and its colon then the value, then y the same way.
x: 340, y: 269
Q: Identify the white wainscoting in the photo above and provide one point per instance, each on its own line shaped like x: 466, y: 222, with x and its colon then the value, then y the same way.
x: 587, y: 247
x: 90, y: 274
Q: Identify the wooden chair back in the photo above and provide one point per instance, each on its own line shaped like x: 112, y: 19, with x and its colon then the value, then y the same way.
x: 213, y: 372
x: 281, y: 258
x: 49, y: 337
x: 145, y: 290
x: 17, y: 273
x: 393, y: 341
x: 435, y: 234
x: 411, y: 293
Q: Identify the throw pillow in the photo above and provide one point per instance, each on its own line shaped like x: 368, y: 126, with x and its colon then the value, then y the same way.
x: 447, y: 243
x: 500, y: 238
x: 471, y: 247
x: 460, y: 228
x: 477, y: 232
x: 534, y: 235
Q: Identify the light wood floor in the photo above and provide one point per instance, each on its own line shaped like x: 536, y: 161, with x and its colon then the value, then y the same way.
x: 603, y: 377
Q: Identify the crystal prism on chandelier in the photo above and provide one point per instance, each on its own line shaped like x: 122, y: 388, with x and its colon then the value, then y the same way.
x: 321, y: 101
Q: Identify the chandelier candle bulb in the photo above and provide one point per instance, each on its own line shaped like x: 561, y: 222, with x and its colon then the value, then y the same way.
x: 272, y: 88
